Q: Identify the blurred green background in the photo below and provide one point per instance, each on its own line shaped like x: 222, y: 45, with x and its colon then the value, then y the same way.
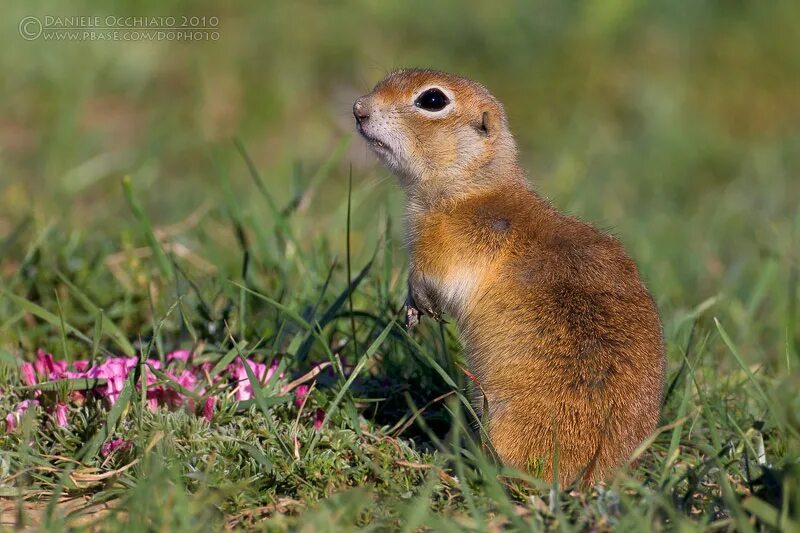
x: 675, y: 125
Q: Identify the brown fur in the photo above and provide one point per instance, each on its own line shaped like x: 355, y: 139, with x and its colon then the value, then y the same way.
x: 558, y: 328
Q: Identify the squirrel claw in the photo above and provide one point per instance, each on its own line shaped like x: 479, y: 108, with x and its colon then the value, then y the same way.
x: 412, y: 317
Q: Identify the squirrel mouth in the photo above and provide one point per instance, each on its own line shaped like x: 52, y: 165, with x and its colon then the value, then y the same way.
x: 373, y: 141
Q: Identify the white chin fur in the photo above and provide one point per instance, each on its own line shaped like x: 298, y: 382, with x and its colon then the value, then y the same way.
x: 390, y: 160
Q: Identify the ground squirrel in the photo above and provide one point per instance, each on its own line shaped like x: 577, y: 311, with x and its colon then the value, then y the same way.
x: 560, y: 333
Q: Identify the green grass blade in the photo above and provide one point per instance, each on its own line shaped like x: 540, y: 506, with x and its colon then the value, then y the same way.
x: 62, y: 329
x: 353, y: 375
x: 280, y: 220
x: 332, y: 310
x: 262, y: 403
x: 294, y: 316
x: 348, y: 263
x: 71, y: 384
x: 452, y: 384
x: 98, y: 334
x: 163, y: 262
x: 727, y: 340
x: 228, y: 358
x: 90, y: 449
x: 114, y: 332
x: 47, y: 316
x: 171, y: 383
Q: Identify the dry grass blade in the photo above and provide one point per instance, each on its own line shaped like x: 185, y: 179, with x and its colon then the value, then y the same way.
x: 282, y: 506
x: 305, y: 378
x: 87, y: 478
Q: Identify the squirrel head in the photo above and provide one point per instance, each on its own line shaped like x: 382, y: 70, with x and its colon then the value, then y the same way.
x: 437, y: 132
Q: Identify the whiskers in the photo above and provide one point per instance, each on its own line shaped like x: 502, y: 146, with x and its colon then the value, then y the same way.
x: 375, y: 182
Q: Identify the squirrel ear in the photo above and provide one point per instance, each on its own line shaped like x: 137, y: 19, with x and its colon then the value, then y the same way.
x: 487, y: 125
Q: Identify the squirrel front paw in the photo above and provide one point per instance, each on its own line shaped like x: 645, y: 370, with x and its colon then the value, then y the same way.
x: 412, y: 317
x: 419, y: 302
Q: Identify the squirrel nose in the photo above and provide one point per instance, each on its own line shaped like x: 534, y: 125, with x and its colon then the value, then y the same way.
x: 360, y: 110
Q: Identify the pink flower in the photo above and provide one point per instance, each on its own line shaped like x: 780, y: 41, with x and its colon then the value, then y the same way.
x: 28, y: 374
x: 300, y: 394
x: 244, y: 391
x: 113, y: 445
x: 272, y: 368
x: 319, y: 418
x: 152, y: 398
x: 47, y: 367
x: 208, y: 408
x: 115, y: 371
x: 44, y: 363
x: 11, y: 422
x: 114, y: 387
x: 187, y: 380
x: 61, y: 414
x: 180, y: 355
x: 14, y: 417
x: 154, y: 393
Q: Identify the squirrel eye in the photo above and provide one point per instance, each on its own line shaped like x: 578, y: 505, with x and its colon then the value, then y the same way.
x: 432, y: 100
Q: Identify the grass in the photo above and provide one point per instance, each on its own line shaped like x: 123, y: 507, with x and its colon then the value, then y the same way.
x: 237, y: 235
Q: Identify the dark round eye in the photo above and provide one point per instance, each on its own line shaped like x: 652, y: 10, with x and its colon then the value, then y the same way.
x: 432, y: 100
